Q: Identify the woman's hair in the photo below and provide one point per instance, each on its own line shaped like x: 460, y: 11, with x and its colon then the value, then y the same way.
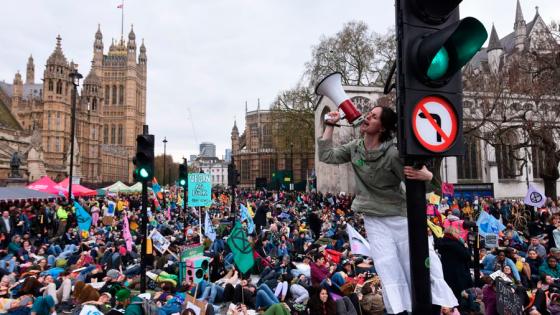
x: 316, y: 305
x: 388, y: 122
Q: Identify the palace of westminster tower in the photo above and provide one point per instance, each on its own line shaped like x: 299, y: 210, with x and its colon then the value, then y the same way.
x: 110, y: 110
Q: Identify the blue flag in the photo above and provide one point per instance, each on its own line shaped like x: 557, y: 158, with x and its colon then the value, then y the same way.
x: 83, y: 217
x: 487, y: 224
x: 246, y: 217
x: 208, y: 228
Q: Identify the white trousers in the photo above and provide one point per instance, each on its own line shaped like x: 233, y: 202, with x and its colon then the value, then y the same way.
x: 388, y: 240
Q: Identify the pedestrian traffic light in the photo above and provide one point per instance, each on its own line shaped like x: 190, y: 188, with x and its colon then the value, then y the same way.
x: 433, y: 44
x: 144, y: 159
x: 233, y: 175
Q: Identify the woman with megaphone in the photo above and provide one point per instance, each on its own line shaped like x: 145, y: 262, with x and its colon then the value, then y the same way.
x: 379, y: 172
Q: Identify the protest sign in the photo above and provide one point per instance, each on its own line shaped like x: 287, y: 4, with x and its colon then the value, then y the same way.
x: 200, y: 190
x: 508, y: 301
x: 159, y: 242
x: 193, y: 251
x: 491, y: 240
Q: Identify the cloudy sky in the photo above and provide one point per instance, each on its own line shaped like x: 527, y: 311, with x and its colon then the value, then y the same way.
x: 206, y: 58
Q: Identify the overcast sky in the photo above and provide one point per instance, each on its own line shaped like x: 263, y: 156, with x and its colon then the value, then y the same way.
x: 209, y: 56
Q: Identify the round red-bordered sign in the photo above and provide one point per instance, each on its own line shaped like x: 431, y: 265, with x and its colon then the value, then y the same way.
x: 434, y: 123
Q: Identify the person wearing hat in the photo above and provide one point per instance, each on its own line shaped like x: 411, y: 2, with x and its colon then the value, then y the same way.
x: 131, y: 305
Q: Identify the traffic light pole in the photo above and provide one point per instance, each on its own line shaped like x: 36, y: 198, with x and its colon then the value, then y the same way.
x: 144, y: 228
x: 418, y: 239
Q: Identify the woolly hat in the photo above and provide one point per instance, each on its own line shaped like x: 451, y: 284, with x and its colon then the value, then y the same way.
x: 122, y: 295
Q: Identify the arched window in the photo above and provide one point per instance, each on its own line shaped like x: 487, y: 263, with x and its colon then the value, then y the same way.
x: 114, y: 95
x: 107, y: 94
x: 120, y: 138
x: 121, y: 94
x: 468, y: 165
x: 59, y: 87
x: 505, y: 156
x: 51, y: 85
x: 105, y: 134
x: 113, y: 134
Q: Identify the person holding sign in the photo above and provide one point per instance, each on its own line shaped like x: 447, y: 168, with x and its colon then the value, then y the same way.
x: 379, y: 171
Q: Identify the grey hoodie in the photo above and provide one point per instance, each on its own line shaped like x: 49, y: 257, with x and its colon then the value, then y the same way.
x: 378, y: 175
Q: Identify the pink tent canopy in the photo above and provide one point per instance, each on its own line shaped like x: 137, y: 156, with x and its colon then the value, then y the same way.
x: 77, y: 190
x: 45, y: 184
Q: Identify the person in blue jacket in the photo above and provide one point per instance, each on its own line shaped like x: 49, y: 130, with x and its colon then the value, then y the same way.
x: 495, y: 262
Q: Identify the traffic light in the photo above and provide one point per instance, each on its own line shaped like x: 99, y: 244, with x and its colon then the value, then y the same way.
x: 433, y: 44
x: 144, y: 159
x: 233, y: 175
x: 183, y: 175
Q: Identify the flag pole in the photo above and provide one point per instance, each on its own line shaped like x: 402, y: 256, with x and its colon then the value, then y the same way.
x: 122, y: 21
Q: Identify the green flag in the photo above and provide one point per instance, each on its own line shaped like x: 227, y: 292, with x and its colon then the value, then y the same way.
x: 241, y: 248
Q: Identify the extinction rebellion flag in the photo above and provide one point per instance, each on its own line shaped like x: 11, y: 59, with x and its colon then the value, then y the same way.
x: 241, y: 248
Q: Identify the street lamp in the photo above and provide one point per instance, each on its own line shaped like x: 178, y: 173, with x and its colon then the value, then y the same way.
x: 75, y: 76
x: 291, y: 165
x: 164, y: 158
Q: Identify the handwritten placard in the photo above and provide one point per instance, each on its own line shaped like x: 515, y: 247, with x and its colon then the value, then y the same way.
x: 509, y: 302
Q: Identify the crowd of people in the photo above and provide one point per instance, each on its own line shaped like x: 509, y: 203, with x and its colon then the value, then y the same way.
x: 303, y: 258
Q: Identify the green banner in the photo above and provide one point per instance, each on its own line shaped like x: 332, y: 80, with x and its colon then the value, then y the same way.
x: 192, y: 252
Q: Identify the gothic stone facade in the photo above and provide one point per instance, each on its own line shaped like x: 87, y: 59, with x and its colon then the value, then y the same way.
x: 256, y: 154
x: 110, y: 111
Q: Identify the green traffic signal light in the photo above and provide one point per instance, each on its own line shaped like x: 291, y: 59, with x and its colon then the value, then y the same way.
x: 182, y: 182
x: 439, y: 65
x: 442, y: 53
x: 144, y: 173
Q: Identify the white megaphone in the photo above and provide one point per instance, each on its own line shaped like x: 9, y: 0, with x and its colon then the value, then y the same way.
x: 331, y: 87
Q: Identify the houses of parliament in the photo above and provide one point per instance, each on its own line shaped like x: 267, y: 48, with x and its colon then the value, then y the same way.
x: 35, y: 115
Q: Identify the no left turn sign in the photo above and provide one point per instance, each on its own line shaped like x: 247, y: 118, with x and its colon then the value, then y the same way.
x: 434, y: 123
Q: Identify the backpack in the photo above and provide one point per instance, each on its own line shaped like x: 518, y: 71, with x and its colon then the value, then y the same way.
x: 148, y: 307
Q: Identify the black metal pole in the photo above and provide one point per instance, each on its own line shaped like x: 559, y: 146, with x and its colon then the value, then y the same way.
x: 164, y: 158
x: 185, y: 206
x: 233, y: 184
x: 144, y: 230
x: 418, y: 240
x: 75, y: 78
x: 476, y: 254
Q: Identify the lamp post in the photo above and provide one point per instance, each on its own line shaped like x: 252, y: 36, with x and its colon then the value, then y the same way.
x: 291, y: 165
x: 76, y: 76
x: 164, y: 158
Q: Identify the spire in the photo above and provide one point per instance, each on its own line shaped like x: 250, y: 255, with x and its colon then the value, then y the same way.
x: 520, y: 29
x: 30, y: 74
x: 98, y: 34
x: 234, y: 130
x: 519, y: 19
x: 245, y: 107
x: 57, y: 57
x: 131, y: 39
x: 494, y: 42
x: 98, y: 43
x: 142, y: 58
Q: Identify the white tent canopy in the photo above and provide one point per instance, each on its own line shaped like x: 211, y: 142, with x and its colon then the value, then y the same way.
x: 117, y: 187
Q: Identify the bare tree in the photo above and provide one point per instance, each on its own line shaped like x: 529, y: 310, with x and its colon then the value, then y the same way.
x: 360, y: 55
x: 517, y: 110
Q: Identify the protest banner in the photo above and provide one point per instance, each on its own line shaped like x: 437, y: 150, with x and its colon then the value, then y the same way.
x: 159, y: 242
x: 200, y: 190
x: 509, y: 302
x: 192, y: 251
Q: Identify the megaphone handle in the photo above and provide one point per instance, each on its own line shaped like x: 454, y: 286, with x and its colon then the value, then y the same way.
x: 342, y: 115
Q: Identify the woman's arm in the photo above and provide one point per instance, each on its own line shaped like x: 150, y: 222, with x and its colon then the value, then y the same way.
x: 328, y: 153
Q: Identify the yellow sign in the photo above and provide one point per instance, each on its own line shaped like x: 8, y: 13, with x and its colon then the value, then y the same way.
x: 434, y: 199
